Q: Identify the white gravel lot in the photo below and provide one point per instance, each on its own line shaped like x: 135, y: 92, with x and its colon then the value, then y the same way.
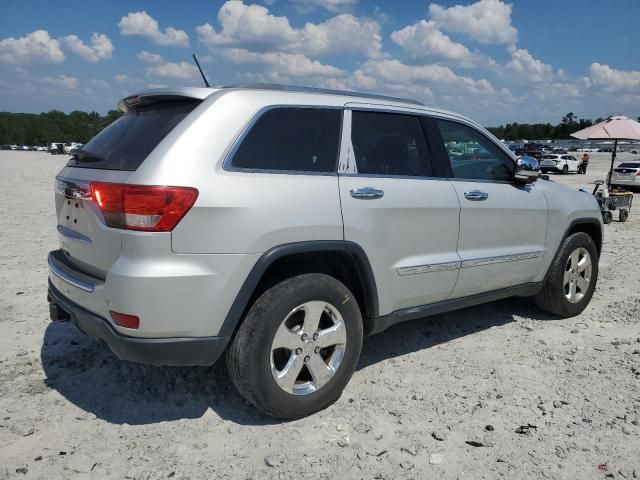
x: 497, y: 391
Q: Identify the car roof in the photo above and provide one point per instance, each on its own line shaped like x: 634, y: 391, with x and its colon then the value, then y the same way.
x: 332, y: 97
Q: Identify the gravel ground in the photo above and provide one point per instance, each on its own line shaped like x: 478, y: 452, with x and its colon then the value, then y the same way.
x: 497, y: 391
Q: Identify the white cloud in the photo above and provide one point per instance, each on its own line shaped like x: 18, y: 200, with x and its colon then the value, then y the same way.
x: 158, y: 67
x: 253, y: 27
x: 424, y: 40
x: 334, y: 6
x: 144, y: 25
x: 526, y: 68
x: 149, y: 57
x: 611, y: 79
x: 70, y: 83
x: 33, y: 47
x: 284, y: 64
x: 486, y: 21
x: 180, y: 70
x: 121, y: 77
x: 100, y: 47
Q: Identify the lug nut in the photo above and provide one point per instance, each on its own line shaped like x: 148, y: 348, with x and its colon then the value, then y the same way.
x: 316, y: 350
x: 315, y: 336
x: 307, y: 358
x: 298, y: 351
x: 304, y: 337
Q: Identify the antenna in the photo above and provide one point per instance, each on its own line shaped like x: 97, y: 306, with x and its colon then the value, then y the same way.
x: 201, y: 72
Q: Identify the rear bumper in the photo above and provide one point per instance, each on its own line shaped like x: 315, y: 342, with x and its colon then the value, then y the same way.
x: 150, y: 351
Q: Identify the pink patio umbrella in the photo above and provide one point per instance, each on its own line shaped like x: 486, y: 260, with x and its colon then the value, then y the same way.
x: 613, y: 128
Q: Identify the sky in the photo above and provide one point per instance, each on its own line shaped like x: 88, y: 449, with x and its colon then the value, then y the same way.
x: 494, y: 61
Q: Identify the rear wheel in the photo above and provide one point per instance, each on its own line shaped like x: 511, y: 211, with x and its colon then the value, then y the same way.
x: 297, y: 347
x: 607, y: 217
x: 623, y: 215
x: 572, y: 277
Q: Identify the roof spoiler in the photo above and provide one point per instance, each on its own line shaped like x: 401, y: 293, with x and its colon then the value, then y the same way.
x: 163, y: 95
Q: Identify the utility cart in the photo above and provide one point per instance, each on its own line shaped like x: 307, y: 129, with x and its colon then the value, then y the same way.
x: 612, y: 200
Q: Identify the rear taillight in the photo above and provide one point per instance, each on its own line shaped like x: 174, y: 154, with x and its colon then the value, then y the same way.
x: 142, y: 207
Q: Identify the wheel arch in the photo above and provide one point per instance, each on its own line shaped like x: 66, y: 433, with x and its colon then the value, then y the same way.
x: 589, y: 225
x: 344, y: 260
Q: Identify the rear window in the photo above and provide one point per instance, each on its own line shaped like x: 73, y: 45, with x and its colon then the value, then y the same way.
x: 292, y: 139
x: 629, y: 165
x: 125, y: 143
x: 549, y: 157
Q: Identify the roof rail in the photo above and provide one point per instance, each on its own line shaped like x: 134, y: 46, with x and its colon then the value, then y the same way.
x: 326, y: 91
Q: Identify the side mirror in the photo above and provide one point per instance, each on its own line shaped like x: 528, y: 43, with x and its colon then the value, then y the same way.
x: 527, y: 170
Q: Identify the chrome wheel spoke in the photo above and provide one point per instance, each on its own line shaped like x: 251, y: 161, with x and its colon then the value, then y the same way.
x: 572, y: 291
x: 286, y: 338
x: 582, y: 284
x: 584, y: 263
x: 567, y: 277
x: 312, y: 314
x: 320, y: 371
x: 287, y: 377
x: 575, y: 256
x: 335, y: 335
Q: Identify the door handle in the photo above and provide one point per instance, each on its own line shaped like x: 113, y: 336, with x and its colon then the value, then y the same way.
x: 476, y: 195
x: 367, y: 193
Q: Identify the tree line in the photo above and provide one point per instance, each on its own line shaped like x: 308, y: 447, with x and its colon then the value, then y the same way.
x: 542, y: 131
x: 54, y: 126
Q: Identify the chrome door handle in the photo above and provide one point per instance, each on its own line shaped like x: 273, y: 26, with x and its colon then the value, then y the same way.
x: 476, y: 195
x: 367, y: 193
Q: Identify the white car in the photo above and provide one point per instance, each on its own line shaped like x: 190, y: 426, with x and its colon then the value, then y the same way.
x: 69, y: 149
x: 559, y: 163
x: 626, y: 174
x: 282, y: 225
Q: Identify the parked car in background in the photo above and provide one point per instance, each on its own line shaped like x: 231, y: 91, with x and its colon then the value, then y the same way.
x: 231, y: 221
x: 56, y: 148
x: 559, y: 151
x: 627, y: 174
x: 71, y: 147
x: 559, y: 163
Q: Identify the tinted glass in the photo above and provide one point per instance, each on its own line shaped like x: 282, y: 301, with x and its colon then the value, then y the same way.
x: 298, y: 139
x: 472, y: 155
x: 629, y: 165
x: 389, y: 144
x: 549, y: 157
x: 125, y: 143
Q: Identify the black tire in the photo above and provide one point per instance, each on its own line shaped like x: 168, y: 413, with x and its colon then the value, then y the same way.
x: 623, y: 215
x: 249, y: 355
x: 607, y: 217
x: 565, y: 169
x: 552, y: 297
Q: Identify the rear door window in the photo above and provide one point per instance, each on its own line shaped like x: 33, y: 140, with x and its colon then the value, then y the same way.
x: 125, y: 143
x: 389, y: 144
x: 292, y: 139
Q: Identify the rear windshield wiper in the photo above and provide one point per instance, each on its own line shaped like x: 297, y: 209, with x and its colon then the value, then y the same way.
x: 84, y: 156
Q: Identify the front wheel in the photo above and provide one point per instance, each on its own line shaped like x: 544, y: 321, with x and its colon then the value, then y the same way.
x: 297, y: 347
x: 572, y: 277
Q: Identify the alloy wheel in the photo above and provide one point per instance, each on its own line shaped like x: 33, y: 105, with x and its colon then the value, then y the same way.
x: 577, y: 275
x: 308, y: 348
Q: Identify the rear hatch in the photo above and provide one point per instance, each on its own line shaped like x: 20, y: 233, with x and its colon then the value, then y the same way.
x: 88, y: 245
x: 549, y: 161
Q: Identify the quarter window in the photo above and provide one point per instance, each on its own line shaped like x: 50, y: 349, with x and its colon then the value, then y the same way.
x: 389, y: 144
x: 293, y: 139
x: 472, y: 155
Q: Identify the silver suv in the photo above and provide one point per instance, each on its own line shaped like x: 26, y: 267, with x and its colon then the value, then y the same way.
x: 282, y: 225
